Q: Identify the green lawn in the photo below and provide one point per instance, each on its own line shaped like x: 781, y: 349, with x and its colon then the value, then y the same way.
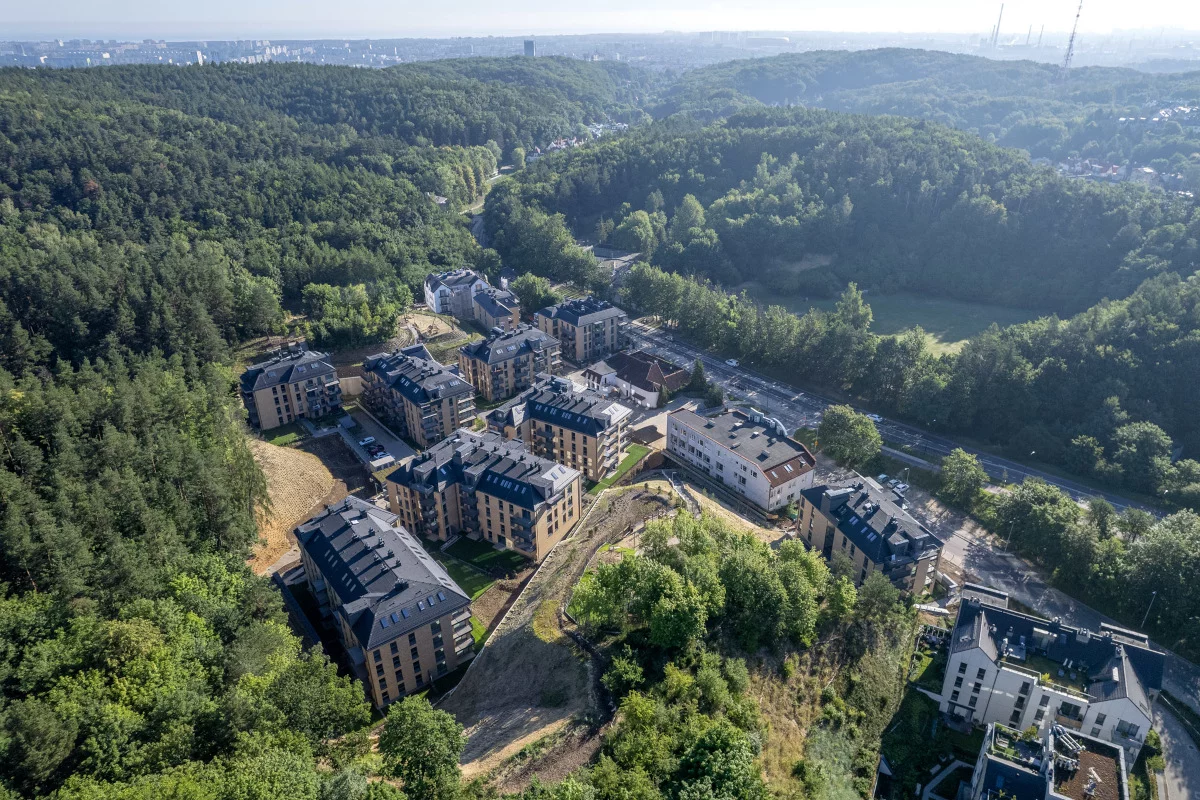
x: 915, y: 740
x: 636, y: 453
x: 472, y: 581
x: 948, y: 322
x: 478, y: 632
x: 486, y: 557
x: 285, y: 434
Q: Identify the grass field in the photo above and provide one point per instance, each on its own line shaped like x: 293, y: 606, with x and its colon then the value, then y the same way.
x: 471, y: 581
x: 296, y: 483
x: 285, y: 434
x: 949, y: 323
x: 636, y: 453
x: 483, y: 555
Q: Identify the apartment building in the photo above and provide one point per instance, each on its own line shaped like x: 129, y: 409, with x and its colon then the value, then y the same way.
x: 494, y: 308
x: 869, y: 527
x: 417, y: 396
x: 750, y: 454
x: 508, y: 362
x: 1058, y: 765
x: 294, y: 382
x: 638, y: 376
x: 568, y: 424
x: 1020, y: 670
x: 588, y: 328
x: 454, y: 292
x: 483, y: 486
x: 404, y: 622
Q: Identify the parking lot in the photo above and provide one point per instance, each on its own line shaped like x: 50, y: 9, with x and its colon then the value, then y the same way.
x: 368, y: 427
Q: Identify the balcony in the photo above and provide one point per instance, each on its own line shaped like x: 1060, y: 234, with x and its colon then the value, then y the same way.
x: 462, y: 615
x: 1074, y: 723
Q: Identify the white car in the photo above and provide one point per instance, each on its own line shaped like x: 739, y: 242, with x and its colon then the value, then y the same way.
x: 874, y: 418
x: 366, y: 441
x: 732, y: 362
x: 901, y: 488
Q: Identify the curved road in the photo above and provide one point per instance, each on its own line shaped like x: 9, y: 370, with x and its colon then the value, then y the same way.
x: 797, y: 408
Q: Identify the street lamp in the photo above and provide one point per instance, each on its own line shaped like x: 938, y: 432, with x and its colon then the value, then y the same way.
x: 1153, y: 596
x: 1010, y: 534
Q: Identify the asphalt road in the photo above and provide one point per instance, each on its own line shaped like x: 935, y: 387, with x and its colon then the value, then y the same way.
x: 1181, y: 778
x: 796, y: 408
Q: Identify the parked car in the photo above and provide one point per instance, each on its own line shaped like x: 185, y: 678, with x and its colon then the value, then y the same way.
x: 733, y: 362
x: 893, y: 483
x: 882, y: 479
x: 901, y: 487
x: 874, y: 418
x: 370, y: 440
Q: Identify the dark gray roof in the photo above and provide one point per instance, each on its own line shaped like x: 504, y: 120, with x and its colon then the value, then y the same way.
x: 872, y: 521
x: 414, y: 374
x: 1017, y: 782
x: 583, y: 311
x: 645, y: 371
x: 497, y: 303
x: 558, y: 401
x: 388, y: 584
x: 453, y: 279
x: 778, y: 456
x: 288, y: 367
x: 1115, y: 667
x: 490, y: 463
x: 511, y: 344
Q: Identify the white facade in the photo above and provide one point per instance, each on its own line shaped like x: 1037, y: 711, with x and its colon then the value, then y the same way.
x: 456, y: 300
x: 710, y: 453
x: 608, y: 379
x: 982, y: 691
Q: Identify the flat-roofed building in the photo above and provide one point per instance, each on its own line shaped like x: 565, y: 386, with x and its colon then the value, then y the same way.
x: 495, y: 308
x: 750, y: 454
x: 403, y: 621
x: 508, y: 362
x: 419, y: 397
x: 294, y: 382
x: 1050, y: 766
x: 483, y: 486
x: 587, y: 328
x: 868, y: 526
x: 566, y: 423
x: 1021, y: 670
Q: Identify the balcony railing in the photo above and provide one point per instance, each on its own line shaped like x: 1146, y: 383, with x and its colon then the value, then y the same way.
x: 1074, y: 723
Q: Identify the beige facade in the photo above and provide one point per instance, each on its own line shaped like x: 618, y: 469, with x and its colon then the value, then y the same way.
x: 505, y: 364
x: 293, y: 384
x: 587, y: 329
x: 497, y: 309
x: 417, y: 396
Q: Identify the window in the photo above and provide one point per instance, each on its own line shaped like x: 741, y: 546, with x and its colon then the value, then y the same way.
x: 412, y: 638
x: 973, y: 701
x: 396, y: 662
x: 1095, y: 731
x: 1126, y: 729
x: 416, y: 667
x: 1100, y: 718
x: 420, y: 680
x: 395, y: 649
x: 976, y: 687
x: 441, y: 668
x: 958, y: 682
x: 415, y: 655
x: 378, y: 657
x: 1039, y: 715
x: 379, y: 670
x: 382, y: 683
x: 962, y: 668
x: 1045, y: 701
x: 1025, y: 687
x: 1015, y: 718
x: 981, y: 674
x: 1020, y: 702
x: 954, y: 697
x: 387, y: 698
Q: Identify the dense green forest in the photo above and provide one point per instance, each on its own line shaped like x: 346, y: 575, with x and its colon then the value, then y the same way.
x: 1021, y: 104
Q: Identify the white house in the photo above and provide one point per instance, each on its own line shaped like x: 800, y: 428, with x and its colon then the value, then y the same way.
x: 637, y: 376
x: 1021, y: 671
x: 454, y: 292
x: 749, y: 453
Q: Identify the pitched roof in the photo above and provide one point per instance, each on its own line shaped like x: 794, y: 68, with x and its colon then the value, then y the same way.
x: 453, y: 279
x: 582, y: 311
x: 648, y: 372
x: 509, y: 344
x: 872, y: 521
x: 560, y: 402
x: 779, y: 457
x: 497, y: 303
x: 287, y: 367
x: 387, y: 582
x: 414, y: 374
x: 489, y: 463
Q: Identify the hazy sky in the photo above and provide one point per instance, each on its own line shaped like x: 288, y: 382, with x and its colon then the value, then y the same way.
x: 227, y: 19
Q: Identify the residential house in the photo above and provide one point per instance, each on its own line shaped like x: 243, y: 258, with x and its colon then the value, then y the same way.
x: 1054, y: 765
x: 508, y: 362
x: 417, y: 396
x: 870, y: 528
x: 494, y: 308
x: 588, y: 328
x: 454, y: 292
x: 294, y: 382
x: 750, y: 454
x: 403, y: 621
x: 482, y: 486
x: 637, y: 376
x: 1021, y: 670
x: 568, y: 424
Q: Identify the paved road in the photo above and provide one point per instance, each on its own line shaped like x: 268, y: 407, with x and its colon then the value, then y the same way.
x: 797, y: 408
x: 1181, y: 778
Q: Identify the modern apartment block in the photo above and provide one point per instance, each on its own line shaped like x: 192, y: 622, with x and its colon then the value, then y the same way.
x: 1057, y: 765
x: 454, y: 292
x: 869, y: 527
x: 494, y: 308
x: 1020, y: 670
x: 482, y: 486
x: 403, y: 620
x: 750, y: 454
x: 508, y: 362
x: 294, y: 382
x: 587, y: 328
x: 558, y: 420
x: 417, y: 396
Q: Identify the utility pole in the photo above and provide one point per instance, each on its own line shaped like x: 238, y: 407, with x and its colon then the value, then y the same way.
x: 1071, y: 43
x: 1153, y: 597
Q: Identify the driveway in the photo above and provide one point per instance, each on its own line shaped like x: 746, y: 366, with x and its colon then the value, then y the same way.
x: 369, y: 427
x: 1181, y: 778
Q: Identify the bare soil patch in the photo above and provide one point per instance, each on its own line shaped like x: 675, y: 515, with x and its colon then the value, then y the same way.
x: 531, y: 682
x: 297, y: 482
x: 491, y: 605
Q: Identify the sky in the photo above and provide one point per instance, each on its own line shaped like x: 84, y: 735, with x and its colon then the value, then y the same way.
x: 281, y: 19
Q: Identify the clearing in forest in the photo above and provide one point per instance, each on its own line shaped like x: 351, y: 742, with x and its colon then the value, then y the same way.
x: 296, y: 483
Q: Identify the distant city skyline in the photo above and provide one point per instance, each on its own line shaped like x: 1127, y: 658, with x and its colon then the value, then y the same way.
x: 376, y: 19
